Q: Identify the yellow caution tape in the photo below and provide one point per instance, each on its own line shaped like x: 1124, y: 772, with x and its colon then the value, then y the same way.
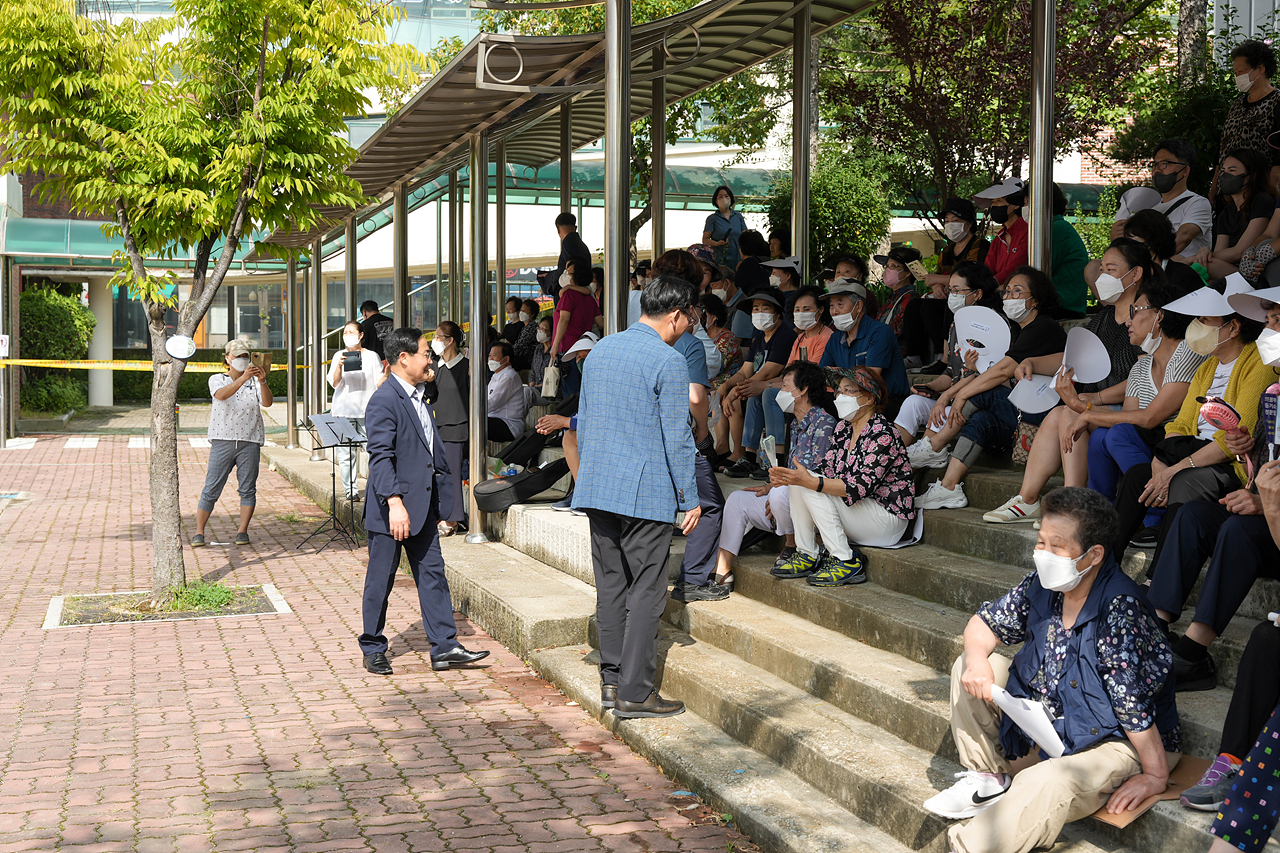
x: 85, y: 364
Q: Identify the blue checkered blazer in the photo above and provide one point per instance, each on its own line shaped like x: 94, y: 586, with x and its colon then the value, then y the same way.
x: 635, y: 446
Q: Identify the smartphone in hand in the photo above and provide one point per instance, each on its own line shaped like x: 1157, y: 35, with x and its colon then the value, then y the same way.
x: 926, y: 391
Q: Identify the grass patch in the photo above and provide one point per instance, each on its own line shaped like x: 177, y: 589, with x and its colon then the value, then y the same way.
x: 291, y: 517
x: 202, y: 596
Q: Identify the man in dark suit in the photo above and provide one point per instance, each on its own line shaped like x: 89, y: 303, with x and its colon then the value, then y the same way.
x: 571, y: 249
x: 408, y: 493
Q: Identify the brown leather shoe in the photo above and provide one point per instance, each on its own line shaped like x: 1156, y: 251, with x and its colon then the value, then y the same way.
x: 654, y: 706
x: 608, y: 695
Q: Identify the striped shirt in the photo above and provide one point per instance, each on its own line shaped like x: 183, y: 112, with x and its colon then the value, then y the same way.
x: 1181, y: 368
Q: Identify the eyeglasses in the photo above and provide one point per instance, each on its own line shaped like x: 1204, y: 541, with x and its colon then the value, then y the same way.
x: 1134, y: 309
x: 965, y: 292
x: 1015, y: 291
x: 1161, y: 165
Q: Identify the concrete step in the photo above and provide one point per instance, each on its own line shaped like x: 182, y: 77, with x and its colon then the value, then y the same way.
x: 864, y: 767
x: 775, y: 807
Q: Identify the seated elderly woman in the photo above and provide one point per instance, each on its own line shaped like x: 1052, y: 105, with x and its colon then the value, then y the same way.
x: 1095, y: 656
x: 804, y: 393
x: 981, y: 415
x: 1232, y: 532
x: 860, y: 491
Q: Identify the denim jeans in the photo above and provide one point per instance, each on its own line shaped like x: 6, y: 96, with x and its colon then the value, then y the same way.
x: 1112, y: 452
x: 992, y: 420
x: 762, y: 414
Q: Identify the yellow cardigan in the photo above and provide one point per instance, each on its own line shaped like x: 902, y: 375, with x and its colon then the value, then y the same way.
x: 1249, y: 379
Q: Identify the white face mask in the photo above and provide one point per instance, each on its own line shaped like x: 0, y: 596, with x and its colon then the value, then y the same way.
x: 1057, y: 573
x: 1016, y: 309
x: 955, y: 231
x: 847, y: 407
x: 1110, y: 288
x: 543, y: 337
x: 956, y: 301
x: 764, y: 321
x: 565, y: 279
x: 240, y: 363
x: 351, y: 340
x: 595, y: 287
x: 786, y: 402
x: 774, y: 281
x: 843, y: 322
x: 720, y: 293
x: 494, y: 366
x: 1269, y: 347
x: 723, y: 203
x: 511, y: 316
x: 1243, y: 83
x: 524, y: 316
x: 1150, y: 344
x: 437, y: 346
x: 806, y: 319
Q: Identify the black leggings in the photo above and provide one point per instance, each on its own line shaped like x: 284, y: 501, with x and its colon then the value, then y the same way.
x: 1257, y: 691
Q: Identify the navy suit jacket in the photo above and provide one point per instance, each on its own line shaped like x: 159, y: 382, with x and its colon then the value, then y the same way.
x: 401, y: 464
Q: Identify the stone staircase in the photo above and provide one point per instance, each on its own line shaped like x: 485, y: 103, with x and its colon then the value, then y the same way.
x: 810, y: 705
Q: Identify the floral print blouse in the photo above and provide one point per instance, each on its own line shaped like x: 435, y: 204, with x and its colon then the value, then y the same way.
x: 1133, y: 657
x: 873, y: 465
x: 730, y: 356
x: 811, y: 438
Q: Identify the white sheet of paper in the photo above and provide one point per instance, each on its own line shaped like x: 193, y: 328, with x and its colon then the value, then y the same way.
x: 1087, y: 355
x: 768, y: 448
x: 1032, y: 718
x: 1034, y: 395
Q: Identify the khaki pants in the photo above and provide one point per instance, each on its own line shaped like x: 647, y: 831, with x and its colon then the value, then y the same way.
x: 1043, y: 797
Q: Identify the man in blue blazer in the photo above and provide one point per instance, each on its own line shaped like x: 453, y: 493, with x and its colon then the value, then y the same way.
x: 636, y: 470
x: 408, y: 493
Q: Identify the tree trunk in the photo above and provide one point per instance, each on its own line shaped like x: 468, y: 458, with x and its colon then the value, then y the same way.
x: 637, y: 222
x: 1192, y: 31
x: 168, y: 573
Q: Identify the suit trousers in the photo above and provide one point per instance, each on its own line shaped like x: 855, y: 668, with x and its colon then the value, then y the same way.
x: 427, y: 565
x: 629, y: 556
x: 1257, y: 691
x: 702, y: 546
x: 1044, y: 797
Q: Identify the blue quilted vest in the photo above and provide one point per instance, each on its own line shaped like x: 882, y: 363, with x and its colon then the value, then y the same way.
x: 1087, y: 716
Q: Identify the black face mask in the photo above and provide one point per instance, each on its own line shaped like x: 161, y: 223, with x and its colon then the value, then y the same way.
x: 1229, y: 184
x: 1164, y: 183
x: 999, y: 215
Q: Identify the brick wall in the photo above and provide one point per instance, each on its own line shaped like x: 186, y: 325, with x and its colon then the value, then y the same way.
x: 33, y: 207
x: 1097, y: 168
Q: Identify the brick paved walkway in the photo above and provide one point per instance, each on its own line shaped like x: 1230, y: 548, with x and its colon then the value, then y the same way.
x: 263, y: 733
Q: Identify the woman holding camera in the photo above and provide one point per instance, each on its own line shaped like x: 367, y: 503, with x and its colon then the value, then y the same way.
x: 354, y: 376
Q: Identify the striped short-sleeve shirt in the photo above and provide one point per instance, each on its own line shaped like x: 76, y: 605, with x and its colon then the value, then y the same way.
x: 1181, y: 368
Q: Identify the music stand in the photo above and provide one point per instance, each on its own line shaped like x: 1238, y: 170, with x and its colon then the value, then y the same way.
x: 333, y: 431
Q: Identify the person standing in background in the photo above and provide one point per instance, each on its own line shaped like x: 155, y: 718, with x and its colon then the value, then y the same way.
x: 449, y: 393
x: 376, y: 325
x: 351, y: 392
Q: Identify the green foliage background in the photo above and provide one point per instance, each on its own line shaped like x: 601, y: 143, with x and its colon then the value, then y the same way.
x: 53, y: 325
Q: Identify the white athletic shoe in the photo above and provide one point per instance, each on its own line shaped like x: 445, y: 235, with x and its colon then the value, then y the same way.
x: 973, y: 793
x: 1013, y: 511
x: 922, y: 455
x: 937, y: 497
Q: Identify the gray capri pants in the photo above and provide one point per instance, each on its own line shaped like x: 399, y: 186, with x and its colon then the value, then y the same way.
x: 245, y: 456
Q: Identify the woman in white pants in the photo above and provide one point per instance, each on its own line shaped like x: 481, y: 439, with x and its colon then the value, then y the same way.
x: 804, y: 394
x: 860, y: 492
x: 351, y: 392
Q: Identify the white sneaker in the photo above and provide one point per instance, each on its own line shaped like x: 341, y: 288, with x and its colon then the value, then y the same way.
x: 922, y: 455
x: 937, y: 497
x: 1013, y: 511
x: 973, y: 793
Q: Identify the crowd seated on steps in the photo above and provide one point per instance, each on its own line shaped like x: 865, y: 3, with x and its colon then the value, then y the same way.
x: 803, y: 387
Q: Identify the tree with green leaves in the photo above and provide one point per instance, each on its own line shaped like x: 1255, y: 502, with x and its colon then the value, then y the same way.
x: 190, y: 133
x: 743, y: 108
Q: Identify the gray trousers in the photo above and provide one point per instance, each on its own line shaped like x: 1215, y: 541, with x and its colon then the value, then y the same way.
x: 223, y: 454
x: 629, y: 556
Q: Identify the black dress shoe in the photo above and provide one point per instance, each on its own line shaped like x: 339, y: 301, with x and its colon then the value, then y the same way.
x: 654, y: 706
x: 608, y: 695
x: 1189, y: 677
x: 456, y: 657
x: 377, y: 663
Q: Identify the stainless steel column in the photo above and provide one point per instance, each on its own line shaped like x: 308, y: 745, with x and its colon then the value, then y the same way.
x: 453, y: 302
x: 479, y: 325
x: 658, y: 159
x: 801, y: 105
x: 617, y: 158
x: 566, y: 158
x: 352, y: 276
x: 438, y: 287
x: 400, y: 257
x: 304, y: 326
x: 500, y: 237
x: 319, y: 305
x: 291, y: 352
x: 1040, y: 206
